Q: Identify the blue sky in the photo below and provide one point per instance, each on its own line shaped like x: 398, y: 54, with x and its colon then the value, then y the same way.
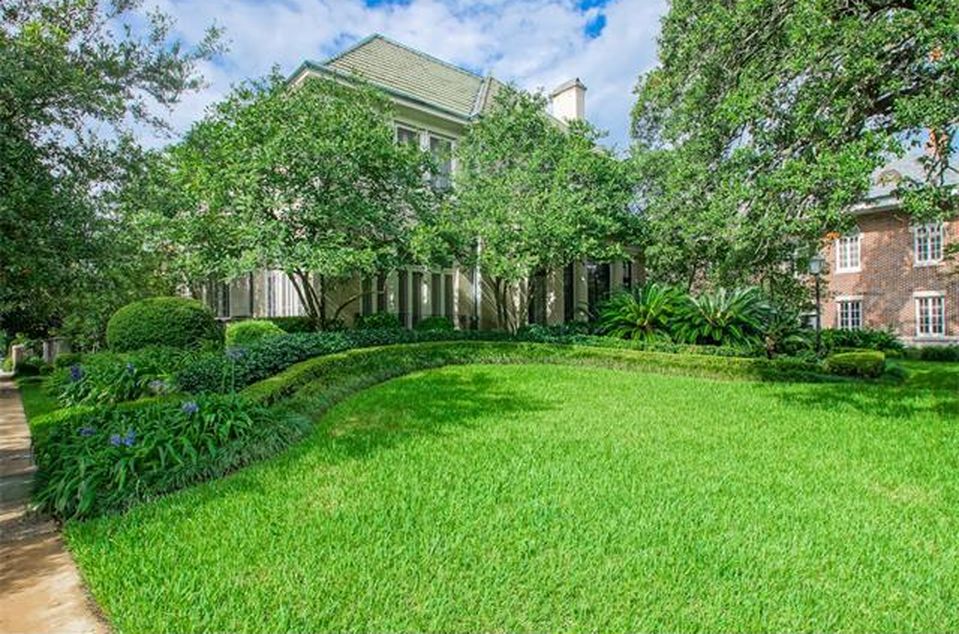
x: 534, y: 43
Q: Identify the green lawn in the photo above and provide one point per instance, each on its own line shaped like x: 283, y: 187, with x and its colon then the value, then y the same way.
x: 36, y: 401
x: 545, y: 498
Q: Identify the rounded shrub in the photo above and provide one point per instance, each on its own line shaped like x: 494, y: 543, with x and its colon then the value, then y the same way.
x: 243, y: 333
x: 378, y: 321
x: 866, y: 363
x: 176, y: 322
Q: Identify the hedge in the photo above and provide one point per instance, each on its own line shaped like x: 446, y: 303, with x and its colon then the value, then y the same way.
x: 865, y: 364
x: 355, y: 369
x: 223, y: 372
x: 934, y: 353
x: 176, y: 322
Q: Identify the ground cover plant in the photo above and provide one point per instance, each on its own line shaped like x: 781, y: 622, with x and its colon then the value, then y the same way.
x: 541, y: 497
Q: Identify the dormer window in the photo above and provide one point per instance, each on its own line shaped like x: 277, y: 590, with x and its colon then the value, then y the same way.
x: 927, y: 243
x: 848, y: 248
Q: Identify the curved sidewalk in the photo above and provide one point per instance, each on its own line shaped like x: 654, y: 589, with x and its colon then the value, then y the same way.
x: 40, y: 588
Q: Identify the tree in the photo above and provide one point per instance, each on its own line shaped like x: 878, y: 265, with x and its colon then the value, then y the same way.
x: 765, y: 120
x: 76, y: 79
x: 533, y: 195
x: 304, y: 179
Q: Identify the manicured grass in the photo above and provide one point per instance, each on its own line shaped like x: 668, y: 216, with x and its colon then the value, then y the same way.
x: 543, y: 498
x: 36, y: 400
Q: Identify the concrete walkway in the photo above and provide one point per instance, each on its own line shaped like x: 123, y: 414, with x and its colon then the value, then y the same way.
x: 40, y: 588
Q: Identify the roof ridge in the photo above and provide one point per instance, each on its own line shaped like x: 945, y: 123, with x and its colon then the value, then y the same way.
x: 351, y: 48
x: 415, y: 51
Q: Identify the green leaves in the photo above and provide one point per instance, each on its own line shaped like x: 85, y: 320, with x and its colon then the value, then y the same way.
x: 306, y: 179
x: 765, y: 121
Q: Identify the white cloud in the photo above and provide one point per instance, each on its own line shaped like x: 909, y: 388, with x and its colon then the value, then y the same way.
x: 534, y: 43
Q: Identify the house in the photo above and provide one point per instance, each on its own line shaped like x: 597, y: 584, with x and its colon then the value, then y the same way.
x: 890, y: 273
x: 434, y: 104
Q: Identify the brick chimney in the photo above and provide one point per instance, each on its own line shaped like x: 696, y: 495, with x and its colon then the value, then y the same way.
x: 568, y: 100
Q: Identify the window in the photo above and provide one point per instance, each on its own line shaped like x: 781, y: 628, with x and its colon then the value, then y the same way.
x: 928, y: 243
x: 407, y: 136
x: 442, y: 151
x: 847, y: 252
x: 930, y: 315
x: 850, y: 314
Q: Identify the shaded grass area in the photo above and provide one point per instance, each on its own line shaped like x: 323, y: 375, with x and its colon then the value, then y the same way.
x: 541, y: 497
x: 36, y: 400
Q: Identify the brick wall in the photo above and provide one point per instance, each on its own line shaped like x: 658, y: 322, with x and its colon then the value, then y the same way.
x: 888, y: 278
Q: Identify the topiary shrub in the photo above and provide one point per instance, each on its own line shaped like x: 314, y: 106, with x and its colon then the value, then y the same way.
x: 243, y: 333
x: 176, y: 322
x: 435, y: 324
x: 378, y: 321
x: 867, y: 364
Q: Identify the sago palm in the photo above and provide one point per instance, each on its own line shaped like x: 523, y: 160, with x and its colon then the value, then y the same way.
x: 723, y: 317
x: 643, y: 314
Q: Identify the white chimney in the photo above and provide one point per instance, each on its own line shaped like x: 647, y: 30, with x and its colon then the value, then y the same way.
x: 569, y: 100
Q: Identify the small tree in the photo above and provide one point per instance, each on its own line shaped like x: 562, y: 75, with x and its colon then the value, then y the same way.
x: 534, y: 195
x: 305, y: 179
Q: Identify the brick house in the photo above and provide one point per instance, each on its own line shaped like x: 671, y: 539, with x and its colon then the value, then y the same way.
x: 890, y: 273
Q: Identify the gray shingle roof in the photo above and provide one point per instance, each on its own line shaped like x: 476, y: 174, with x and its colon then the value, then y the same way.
x: 407, y: 72
x: 886, y: 179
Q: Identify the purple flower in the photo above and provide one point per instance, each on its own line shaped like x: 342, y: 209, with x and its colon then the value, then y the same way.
x: 87, y: 431
x: 115, y: 440
x: 234, y: 353
x: 190, y: 407
x: 76, y: 373
x: 129, y: 438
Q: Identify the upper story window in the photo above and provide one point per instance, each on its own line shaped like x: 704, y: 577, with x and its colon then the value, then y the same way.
x: 848, y: 249
x: 930, y: 315
x: 407, y: 136
x: 442, y: 151
x: 927, y: 243
x: 850, y: 313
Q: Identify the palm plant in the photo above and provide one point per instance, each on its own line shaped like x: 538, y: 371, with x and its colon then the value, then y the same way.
x: 723, y: 317
x: 643, y: 314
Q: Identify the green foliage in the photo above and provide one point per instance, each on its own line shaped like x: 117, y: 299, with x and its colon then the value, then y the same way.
x: 106, y: 378
x: 75, y: 87
x: 934, y: 353
x: 32, y: 366
x: 862, y: 339
x: 645, y: 313
x: 435, y: 323
x: 260, y: 151
x: 782, y: 333
x: 294, y: 324
x: 96, y: 460
x: 378, y: 321
x: 722, y: 317
x: 242, y: 333
x: 764, y: 121
x: 575, y: 198
x: 66, y: 359
x: 163, y: 321
x: 865, y: 364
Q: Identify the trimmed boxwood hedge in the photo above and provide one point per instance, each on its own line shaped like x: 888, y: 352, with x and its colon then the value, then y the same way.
x: 864, y: 363
x: 356, y: 369
x: 223, y: 372
x: 176, y: 322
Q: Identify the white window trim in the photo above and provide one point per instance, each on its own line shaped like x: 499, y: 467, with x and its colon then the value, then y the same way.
x: 846, y: 299
x: 916, y: 262
x: 850, y: 269
x: 927, y: 295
